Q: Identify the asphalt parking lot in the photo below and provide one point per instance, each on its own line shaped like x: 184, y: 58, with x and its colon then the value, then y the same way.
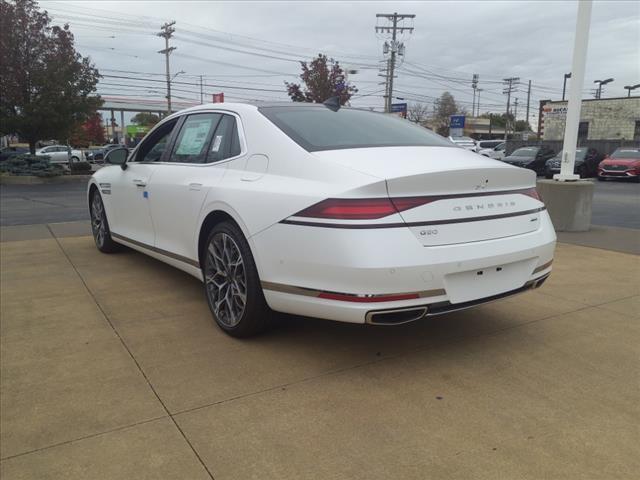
x: 112, y: 368
x: 615, y: 204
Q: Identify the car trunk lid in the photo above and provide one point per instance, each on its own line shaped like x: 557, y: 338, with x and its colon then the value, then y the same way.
x: 463, y: 197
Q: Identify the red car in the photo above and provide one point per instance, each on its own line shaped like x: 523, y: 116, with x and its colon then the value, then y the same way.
x: 623, y: 163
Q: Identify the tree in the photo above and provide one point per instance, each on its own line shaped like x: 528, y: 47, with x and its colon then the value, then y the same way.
x: 146, y: 119
x: 443, y: 108
x: 418, y: 113
x: 501, y: 120
x: 46, y: 85
x: 90, y: 132
x: 323, y: 78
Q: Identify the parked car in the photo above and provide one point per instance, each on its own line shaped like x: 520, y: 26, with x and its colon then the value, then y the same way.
x: 77, y: 155
x: 8, y: 152
x: 465, y: 142
x: 623, y: 163
x: 487, y: 144
x: 97, y: 154
x: 496, y: 151
x: 586, y: 164
x: 534, y: 158
x: 56, y: 153
x: 322, y: 212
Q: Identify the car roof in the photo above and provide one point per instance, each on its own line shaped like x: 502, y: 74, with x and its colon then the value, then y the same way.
x: 251, y: 107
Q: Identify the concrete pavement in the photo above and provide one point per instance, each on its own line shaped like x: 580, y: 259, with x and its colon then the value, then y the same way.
x: 112, y: 368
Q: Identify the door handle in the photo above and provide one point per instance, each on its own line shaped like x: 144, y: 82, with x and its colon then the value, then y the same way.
x: 140, y: 183
x: 195, y: 186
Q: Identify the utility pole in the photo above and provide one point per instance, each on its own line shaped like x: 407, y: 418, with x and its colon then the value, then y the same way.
x: 166, y: 33
x: 478, y: 103
x: 474, y: 85
x: 201, y: 92
x: 396, y: 48
x: 515, y: 113
x: 528, y: 100
x: 510, y: 86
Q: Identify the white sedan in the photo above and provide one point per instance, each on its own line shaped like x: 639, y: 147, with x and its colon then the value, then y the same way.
x: 341, y: 214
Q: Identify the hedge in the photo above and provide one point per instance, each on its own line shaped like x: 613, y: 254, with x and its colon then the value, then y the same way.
x: 38, y: 165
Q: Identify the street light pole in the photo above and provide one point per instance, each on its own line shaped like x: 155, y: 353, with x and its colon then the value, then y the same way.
x: 600, y: 84
x: 631, y: 87
x: 575, y: 93
x: 564, y: 84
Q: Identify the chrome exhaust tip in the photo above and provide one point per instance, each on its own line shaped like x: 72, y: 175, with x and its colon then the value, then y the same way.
x: 395, y: 317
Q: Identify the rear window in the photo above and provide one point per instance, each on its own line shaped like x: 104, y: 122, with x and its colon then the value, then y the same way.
x: 626, y: 153
x: 489, y: 143
x: 317, y: 128
x: 580, y: 154
x: 525, y: 152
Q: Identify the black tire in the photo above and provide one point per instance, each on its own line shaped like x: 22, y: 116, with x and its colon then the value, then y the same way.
x: 100, y: 225
x: 601, y: 179
x: 75, y: 159
x: 228, y: 268
x: 548, y: 175
x: 582, y: 171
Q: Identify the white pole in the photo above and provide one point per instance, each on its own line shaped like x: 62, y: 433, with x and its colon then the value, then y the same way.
x: 575, y: 93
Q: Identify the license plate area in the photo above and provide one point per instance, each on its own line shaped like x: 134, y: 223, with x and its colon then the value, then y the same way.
x: 487, y: 281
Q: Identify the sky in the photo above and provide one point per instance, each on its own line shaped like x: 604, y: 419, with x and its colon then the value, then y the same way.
x: 248, y: 49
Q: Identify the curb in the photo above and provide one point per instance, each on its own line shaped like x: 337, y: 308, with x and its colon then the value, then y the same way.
x: 33, y: 180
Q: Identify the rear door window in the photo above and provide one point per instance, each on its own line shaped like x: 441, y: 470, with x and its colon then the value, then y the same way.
x: 226, y: 141
x: 194, y: 138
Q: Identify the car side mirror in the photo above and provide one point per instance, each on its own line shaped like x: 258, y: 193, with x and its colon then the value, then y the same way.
x: 117, y: 156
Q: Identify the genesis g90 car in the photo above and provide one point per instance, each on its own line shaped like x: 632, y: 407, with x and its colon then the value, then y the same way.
x: 336, y: 213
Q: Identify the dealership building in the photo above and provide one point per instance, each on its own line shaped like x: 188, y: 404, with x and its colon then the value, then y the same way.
x: 600, y: 119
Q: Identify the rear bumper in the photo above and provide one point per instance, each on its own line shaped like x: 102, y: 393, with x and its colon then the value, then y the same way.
x: 387, y: 269
x: 411, y: 314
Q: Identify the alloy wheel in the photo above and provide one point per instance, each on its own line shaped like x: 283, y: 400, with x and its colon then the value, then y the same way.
x: 98, y: 224
x: 225, y: 279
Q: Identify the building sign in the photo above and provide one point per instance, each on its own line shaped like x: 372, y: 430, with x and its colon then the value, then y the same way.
x: 137, y: 130
x: 399, y: 109
x: 218, y: 97
x: 457, y: 121
x: 557, y: 111
x: 456, y: 125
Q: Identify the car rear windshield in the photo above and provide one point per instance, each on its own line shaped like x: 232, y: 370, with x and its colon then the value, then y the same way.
x: 626, y: 153
x: 489, y: 143
x: 580, y: 154
x: 525, y: 152
x: 317, y: 128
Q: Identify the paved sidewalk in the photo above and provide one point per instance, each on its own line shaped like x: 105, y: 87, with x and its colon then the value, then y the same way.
x: 112, y: 368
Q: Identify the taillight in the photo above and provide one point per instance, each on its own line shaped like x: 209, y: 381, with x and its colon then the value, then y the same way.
x: 361, y: 208
x: 531, y: 192
x: 349, y: 209
x: 375, y: 208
